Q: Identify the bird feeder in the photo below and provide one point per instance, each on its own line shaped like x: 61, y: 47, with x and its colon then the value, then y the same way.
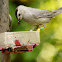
x: 19, y: 42
x: 14, y: 42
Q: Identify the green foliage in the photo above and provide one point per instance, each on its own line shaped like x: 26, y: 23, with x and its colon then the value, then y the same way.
x: 52, y: 34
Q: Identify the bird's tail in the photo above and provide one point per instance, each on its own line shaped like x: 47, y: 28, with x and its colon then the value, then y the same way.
x: 58, y: 11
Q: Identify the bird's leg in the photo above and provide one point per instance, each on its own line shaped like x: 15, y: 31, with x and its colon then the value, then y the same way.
x: 37, y: 27
x: 41, y: 27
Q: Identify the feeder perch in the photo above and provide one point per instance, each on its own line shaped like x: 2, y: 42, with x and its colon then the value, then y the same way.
x: 19, y: 42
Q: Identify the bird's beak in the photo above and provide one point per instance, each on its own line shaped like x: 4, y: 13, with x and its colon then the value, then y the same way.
x: 19, y: 21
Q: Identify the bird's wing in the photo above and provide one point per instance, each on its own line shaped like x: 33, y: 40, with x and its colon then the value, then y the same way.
x: 40, y: 13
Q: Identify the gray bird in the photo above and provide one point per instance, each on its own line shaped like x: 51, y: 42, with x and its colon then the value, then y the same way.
x: 10, y: 22
x: 35, y: 16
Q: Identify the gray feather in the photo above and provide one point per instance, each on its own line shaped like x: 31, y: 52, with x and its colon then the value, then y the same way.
x: 56, y: 12
x: 40, y: 13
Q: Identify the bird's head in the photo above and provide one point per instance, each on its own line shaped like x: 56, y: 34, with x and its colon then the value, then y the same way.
x: 18, y: 15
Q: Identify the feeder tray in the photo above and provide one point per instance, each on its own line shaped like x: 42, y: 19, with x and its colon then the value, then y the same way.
x: 19, y: 42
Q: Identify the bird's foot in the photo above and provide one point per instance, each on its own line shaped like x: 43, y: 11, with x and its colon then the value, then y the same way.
x: 40, y: 28
x: 31, y: 30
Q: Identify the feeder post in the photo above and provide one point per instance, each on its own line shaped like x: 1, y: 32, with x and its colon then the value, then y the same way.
x: 4, y: 24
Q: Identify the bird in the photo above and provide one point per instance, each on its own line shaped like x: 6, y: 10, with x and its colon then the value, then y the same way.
x: 35, y: 16
x: 10, y: 22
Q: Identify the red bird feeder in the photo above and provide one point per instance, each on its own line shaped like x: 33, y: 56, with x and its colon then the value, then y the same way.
x: 19, y: 42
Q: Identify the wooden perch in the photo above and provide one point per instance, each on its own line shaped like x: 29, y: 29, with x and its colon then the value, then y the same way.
x: 22, y: 40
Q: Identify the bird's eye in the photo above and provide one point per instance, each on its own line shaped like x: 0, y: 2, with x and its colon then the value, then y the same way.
x: 19, y: 14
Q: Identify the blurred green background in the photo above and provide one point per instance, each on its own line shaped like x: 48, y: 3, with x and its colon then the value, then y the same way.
x: 50, y: 48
